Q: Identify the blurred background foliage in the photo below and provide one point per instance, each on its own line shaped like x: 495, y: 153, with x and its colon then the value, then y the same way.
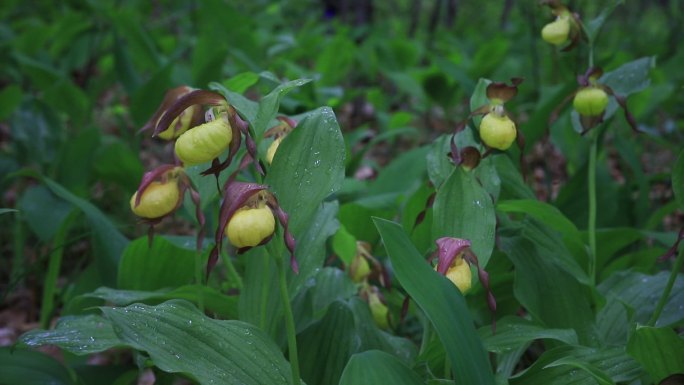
x: 79, y: 78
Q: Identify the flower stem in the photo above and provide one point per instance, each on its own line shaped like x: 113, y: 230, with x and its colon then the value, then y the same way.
x: 233, y: 275
x: 668, y: 289
x: 593, y: 149
x: 199, y: 272
x: 289, y: 320
x: 50, y: 284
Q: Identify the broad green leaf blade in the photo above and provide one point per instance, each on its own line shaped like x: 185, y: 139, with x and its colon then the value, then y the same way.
x: 214, y: 301
x: 347, y: 328
x: 548, y: 292
x: 401, y: 177
x: 325, y: 347
x: 308, y: 167
x: 512, y: 184
x: 614, y: 363
x: 543, y: 212
x: 659, y: 350
x: 10, y: 98
x: 7, y: 211
x: 600, y: 376
x: 593, y: 27
x: 247, y: 108
x: 326, y: 286
x: 464, y: 209
x: 180, y: 339
x: 513, y: 332
x: 269, y: 105
x: 442, y: 303
x: 156, y: 266
x: 548, y: 228
x: 242, y: 81
x: 76, y: 334
x: 630, y: 77
x: 678, y: 180
x: 637, y: 293
x: 28, y: 367
x: 43, y: 212
x: 627, y: 79
x: 109, y: 241
x: 311, y: 250
x: 375, y: 367
x: 479, y: 99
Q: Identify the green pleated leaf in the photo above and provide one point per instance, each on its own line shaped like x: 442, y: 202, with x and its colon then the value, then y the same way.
x: 269, y: 105
x: 548, y: 292
x: 247, y: 108
x: 627, y: 79
x: 464, y: 209
x: 579, y: 365
x: 543, y: 212
x: 513, y: 332
x: 593, y: 27
x: 308, y: 167
x: 442, y: 303
x: 347, y: 328
x: 156, y: 266
x: 180, y: 339
x: 375, y: 367
x: 324, y: 287
x: 28, y: 367
x: 659, y: 350
x: 678, y: 180
x: 599, y: 375
x: 225, y: 306
x: 76, y: 334
x: 109, y: 242
x: 632, y: 296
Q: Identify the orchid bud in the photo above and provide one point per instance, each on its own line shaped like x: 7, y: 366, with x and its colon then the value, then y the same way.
x: 379, y: 310
x: 278, y: 132
x: 183, y: 120
x: 204, y: 142
x: 359, y: 269
x: 376, y: 303
x: 497, y: 130
x: 157, y: 200
x: 272, y: 149
x: 590, y: 101
x: 557, y: 31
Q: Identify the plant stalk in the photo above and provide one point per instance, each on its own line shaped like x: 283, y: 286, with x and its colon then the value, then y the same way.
x: 50, y: 285
x: 289, y: 320
x: 668, y: 289
x: 233, y: 275
x: 199, y: 273
x: 593, y: 149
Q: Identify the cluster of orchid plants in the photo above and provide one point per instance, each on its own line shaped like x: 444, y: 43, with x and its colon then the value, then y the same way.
x: 249, y: 211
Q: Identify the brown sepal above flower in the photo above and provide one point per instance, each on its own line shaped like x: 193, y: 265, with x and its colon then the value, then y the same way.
x: 170, y: 98
x: 500, y: 91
